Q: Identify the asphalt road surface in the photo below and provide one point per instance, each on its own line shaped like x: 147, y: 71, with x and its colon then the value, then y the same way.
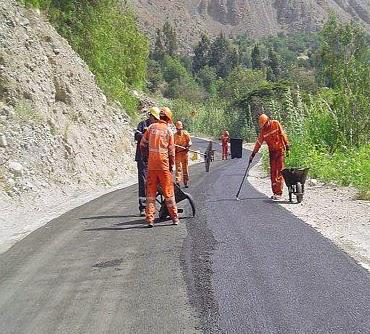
x: 244, y: 266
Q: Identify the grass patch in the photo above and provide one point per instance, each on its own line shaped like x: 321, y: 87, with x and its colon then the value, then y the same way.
x: 346, y: 167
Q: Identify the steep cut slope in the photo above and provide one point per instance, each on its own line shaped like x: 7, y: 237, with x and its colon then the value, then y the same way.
x: 254, y: 17
x: 57, y: 131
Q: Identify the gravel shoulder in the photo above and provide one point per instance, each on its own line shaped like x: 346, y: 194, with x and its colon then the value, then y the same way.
x: 331, y: 210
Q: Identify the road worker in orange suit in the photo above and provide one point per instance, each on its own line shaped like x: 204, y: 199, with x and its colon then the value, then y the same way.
x: 182, y: 145
x: 273, y: 134
x: 158, y: 141
x: 225, y: 139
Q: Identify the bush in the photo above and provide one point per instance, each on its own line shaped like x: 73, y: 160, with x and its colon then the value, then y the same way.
x: 105, y: 35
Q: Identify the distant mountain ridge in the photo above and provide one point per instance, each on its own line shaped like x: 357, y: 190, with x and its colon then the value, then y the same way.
x: 257, y: 18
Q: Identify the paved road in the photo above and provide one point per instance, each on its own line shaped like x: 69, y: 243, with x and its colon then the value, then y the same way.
x: 239, y: 267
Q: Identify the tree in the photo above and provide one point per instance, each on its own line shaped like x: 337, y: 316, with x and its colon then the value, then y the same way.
x: 173, y: 69
x: 207, y: 77
x: 241, y: 82
x: 256, y: 58
x: 270, y: 76
x: 274, y: 65
x: 154, y: 75
x: 159, y: 50
x: 169, y: 38
x: 201, y: 53
x: 344, y: 54
x: 343, y: 47
x: 223, y: 56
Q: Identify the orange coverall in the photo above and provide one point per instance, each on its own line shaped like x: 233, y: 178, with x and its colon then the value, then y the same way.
x: 158, y: 140
x: 277, y: 141
x: 181, y: 156
x: 225, y: 146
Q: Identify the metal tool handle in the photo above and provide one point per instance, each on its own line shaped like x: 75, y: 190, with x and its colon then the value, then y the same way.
x: 184, y: 148
x: 245, y: 175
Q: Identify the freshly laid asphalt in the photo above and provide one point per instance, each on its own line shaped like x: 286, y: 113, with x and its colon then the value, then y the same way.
x: 245, y: 266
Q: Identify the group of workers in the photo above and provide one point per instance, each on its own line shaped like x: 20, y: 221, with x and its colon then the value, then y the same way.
x: 159, y: 149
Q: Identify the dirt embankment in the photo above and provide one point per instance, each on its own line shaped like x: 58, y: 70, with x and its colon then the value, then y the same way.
x: 59, y: 137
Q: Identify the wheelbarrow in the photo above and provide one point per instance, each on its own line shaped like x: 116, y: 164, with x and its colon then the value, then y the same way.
x: 295, y: 179
x: 180, y: 196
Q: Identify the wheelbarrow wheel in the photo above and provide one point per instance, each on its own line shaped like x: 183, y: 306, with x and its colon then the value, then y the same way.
x: 299, y: 192
x: 290, y: 196
x: 163, y: 212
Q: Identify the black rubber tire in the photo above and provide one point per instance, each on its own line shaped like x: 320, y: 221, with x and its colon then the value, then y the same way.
x: 299, y: 193
x: 163, y: 212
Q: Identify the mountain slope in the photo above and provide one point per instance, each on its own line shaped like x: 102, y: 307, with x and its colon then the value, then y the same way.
x: 254, y: 17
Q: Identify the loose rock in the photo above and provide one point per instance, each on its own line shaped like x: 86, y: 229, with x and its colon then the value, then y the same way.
x: 16, y: 168
x: 3, y: 141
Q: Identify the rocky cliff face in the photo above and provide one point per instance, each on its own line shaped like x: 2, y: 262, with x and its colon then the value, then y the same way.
x: 56, y: 128
x: 254, y: 17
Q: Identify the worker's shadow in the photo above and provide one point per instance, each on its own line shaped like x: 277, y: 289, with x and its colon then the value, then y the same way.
x: 108, y: 217
x: 133, y: 224
x: 235, y: 200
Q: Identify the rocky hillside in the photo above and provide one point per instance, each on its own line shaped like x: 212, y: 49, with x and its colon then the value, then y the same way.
x: 56, y: 128
x: 254, y: 17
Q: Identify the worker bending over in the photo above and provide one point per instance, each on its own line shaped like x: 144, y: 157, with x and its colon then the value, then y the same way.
x: 158, y: 141
x: 182, y: 145
x: 225, y: 139
x: 273, y: 134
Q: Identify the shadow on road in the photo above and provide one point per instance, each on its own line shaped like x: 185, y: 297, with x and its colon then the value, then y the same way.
x: 140, y: 223
x: 107, y: 217
x: 269, y: 200
x: 132, y: 222
x: 114, y: 228
x: 235, y: 200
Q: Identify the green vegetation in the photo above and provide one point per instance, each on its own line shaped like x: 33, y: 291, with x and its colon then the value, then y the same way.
x: 105, y: 35
x: 317, y: 85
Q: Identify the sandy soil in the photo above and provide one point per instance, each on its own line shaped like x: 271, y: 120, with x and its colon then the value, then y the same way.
x: 331, y: 210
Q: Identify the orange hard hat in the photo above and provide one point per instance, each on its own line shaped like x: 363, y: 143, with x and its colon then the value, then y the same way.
x: 166, y: 112
x: 262, y: 120
x: 179, y: 125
